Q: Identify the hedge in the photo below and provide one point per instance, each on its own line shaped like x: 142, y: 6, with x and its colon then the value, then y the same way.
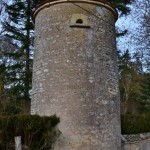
x: 36, y: 132
x: 41, y: 132
x: 134, y: 124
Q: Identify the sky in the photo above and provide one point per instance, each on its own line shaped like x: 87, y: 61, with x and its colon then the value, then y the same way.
x: 129, y: 22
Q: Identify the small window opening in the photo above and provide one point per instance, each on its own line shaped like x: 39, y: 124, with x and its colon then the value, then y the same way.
x: 79, y: 21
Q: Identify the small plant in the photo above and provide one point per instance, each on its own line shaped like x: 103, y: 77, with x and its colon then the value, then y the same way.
x: 36, y: 132
x: 134, y: 124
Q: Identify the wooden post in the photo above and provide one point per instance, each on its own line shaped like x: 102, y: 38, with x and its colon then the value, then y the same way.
x: 18, y: 143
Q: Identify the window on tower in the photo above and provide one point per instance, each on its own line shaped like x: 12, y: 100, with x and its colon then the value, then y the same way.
x: 79, y: 21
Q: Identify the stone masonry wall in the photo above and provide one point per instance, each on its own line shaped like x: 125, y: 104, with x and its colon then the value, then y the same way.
x: 137, y: 142
x: 75, y: 76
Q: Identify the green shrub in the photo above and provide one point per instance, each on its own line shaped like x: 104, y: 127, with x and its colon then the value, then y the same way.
x: 134, y: 124
x: 36, y: 132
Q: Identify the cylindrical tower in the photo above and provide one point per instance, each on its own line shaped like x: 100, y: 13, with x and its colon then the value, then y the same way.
x: 75, y: 72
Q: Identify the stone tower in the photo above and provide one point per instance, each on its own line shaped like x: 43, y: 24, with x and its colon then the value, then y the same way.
x: 75, y: 72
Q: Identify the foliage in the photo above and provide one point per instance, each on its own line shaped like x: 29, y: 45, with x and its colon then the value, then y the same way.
x: 134, y: 124
x: 131, y: 78
x: 122, y: 6
x: 11, y: 107
x: 139, y: 30
x: 36, y: 132
x: 2, y: 14
x: 145, y: 96
x: 134, y: 84
x: 19, y: 28
x: 8, y: 60
x: 142, y: 39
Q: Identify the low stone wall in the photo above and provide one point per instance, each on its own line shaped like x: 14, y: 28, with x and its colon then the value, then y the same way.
x: 136, y: 142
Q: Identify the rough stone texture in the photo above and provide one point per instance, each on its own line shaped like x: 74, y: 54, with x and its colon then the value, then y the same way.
x: 137, y: 142
x: 75, y: 76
